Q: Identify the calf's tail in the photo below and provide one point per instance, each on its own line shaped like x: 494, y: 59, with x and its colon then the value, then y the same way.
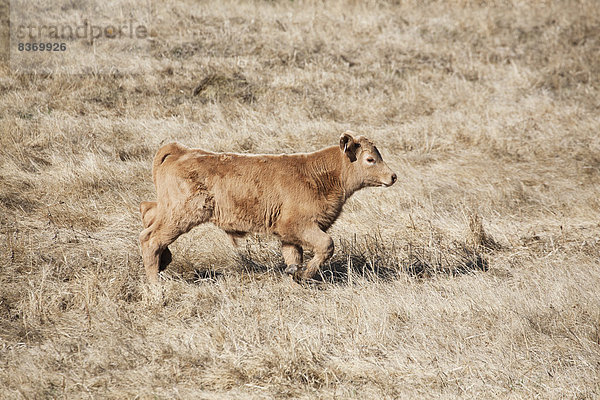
x: 171, y: 149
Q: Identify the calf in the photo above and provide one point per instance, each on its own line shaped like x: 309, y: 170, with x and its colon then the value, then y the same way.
x: 295, y: 197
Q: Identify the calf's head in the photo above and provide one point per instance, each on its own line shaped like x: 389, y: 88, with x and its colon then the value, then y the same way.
x: 367, y: 166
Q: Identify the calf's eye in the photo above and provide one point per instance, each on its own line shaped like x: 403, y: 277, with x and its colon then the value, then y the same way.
x: 370, y: 160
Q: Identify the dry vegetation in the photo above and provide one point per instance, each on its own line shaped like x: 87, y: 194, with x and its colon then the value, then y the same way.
x: 477, y: 275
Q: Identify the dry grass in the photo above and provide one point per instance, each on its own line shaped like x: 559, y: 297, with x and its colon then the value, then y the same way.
x: 476, y: 276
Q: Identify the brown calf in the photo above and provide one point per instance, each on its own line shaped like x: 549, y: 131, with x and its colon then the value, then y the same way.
x: 296, y: 197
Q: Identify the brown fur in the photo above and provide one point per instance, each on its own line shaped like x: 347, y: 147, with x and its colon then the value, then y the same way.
x: 296, y: 197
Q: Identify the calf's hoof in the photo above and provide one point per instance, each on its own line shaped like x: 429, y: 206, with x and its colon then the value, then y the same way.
x: 295, y: 271
x: 304, y: 276
x: 292, y: 269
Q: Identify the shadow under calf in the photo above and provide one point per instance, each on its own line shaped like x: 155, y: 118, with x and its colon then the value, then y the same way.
x: 378, y: 262
x: 382, y: 264
x: 370, y: 260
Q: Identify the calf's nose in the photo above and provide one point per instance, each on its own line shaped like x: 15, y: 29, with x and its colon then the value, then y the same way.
x: 394, y: 178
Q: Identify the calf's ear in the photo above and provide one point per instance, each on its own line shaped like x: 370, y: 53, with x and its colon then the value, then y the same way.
x: 348, y: 145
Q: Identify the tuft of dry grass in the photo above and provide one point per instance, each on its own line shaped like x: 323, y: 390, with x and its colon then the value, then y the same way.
x: 475, y: 276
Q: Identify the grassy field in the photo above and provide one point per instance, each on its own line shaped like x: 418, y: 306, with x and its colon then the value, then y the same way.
x: 477, y: 275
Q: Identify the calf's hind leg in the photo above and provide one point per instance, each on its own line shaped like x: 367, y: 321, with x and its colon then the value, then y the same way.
x: 148, y: 211
x: 161, y: 233
x: 154, y: 241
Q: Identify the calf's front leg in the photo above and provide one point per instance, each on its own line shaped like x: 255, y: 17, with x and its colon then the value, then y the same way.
x: 292, y: 255
x: 322, y: 245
